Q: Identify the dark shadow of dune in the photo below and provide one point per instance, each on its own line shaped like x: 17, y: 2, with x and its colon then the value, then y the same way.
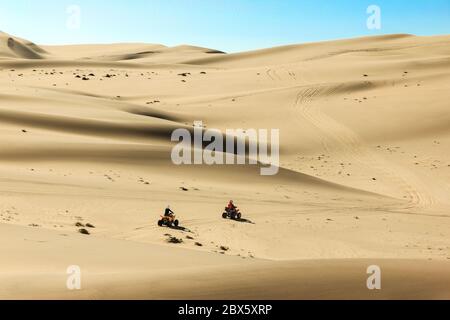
x: 125, y: 57
x: 22, y: 50
x: 91, y: 127
x: 148, y: 112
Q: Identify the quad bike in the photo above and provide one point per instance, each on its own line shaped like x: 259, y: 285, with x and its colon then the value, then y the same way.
x: 233, y: 214
x: 168, y: 221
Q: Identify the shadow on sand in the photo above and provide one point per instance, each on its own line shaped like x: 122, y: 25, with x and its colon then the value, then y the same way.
x: 244, y: 221
x: 179, y: 228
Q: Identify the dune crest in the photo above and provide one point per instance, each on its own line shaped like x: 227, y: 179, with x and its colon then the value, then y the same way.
x: 12, y: 47
x: 85, y: 170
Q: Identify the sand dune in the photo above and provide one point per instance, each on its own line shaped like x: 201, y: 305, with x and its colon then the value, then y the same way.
x: 363, y: 180
x: 142, y: 53
x: 13, y: 47
x: 192, y: 274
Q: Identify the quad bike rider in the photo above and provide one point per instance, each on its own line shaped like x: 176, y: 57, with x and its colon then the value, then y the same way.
x: 168, y: 219
x: 231, y: 211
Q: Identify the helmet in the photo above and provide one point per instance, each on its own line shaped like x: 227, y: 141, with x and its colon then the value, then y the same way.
x: 231, y: 201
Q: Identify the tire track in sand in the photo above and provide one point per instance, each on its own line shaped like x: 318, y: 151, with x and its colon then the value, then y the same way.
x: 336, y: 136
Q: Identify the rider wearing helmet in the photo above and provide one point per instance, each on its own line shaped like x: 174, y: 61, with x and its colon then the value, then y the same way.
x: 168, y: 212
x: 231, y: 206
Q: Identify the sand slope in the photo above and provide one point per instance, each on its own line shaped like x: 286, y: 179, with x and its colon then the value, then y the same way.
x: 13, y: 47
x: 364, y: 177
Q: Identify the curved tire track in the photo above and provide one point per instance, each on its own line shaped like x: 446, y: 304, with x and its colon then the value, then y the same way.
x: 335, y: 135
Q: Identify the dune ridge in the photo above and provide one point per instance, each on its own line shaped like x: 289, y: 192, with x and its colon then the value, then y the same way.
x: 12, y: 47
x: 363, y: 180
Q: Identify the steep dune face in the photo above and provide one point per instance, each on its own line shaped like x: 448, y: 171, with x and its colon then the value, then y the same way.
x: 364, y: 167
x: 13, y: 47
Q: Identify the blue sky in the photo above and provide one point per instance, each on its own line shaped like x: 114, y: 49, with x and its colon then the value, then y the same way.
x: 229, y: 25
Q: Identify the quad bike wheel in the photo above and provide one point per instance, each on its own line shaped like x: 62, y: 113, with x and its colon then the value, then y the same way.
x: 176, y: 223
x: 160, y: 223
x: 238, y: 216
x: 224, y: 215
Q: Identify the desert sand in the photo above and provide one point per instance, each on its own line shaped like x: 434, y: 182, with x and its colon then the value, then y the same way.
x: 364, y: 175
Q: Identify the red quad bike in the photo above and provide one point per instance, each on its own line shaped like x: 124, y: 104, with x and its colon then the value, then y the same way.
x: 168, y: 221
x: 233, y: 214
